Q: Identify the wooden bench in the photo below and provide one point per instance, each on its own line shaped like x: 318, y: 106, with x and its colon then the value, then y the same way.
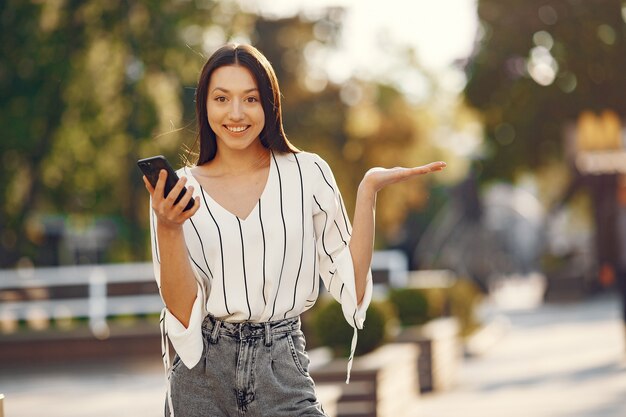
x: 440, y: 352
x: 382, y: 383
x: 439, y: 339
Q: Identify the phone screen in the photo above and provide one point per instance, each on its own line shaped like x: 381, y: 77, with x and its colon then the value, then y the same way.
x: 151, y: 168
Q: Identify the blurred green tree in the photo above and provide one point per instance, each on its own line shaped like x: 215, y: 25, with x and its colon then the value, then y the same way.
x: 538, y: 65
x: 88, y: 87
x: 541, y: 67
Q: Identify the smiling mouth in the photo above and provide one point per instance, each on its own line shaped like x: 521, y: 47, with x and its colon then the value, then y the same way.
x: 237, y: 129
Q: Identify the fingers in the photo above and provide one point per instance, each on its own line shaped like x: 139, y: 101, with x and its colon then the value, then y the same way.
x: 166, y: 208
x: 436, y: 166
x: 180, y: 206
x: 175, y: 192
x: 378, y: 178
x: 398, y: 174
x: 148, y: 185
x: 432, y: 167
x: 196, y: 205
x: 159, y: 190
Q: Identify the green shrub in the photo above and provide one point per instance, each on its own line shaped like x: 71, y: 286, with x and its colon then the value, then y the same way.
x: 463, y: 298
x: 438, y: 302
x: 332, y: 330
x: 416, y: 306
x: 411, y: 305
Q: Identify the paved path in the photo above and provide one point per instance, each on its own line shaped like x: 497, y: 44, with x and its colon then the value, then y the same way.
x: 85, y: 390
x: 560, y: 360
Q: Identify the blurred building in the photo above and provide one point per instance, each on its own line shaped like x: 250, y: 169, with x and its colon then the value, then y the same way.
x: 596, y: 151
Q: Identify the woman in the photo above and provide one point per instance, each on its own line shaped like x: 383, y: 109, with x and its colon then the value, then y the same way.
x: 237, y: 270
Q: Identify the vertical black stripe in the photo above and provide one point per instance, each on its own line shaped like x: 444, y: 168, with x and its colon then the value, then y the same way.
x: 282, y: 215
x: 295, y: 288
x: 340, y: 234
x: 202, y: 247
x: 355, y: 308
x: 219, y: 233
x: 331, y: 281
x: 330, y: 284
x: 197, y: 266
x: 323, y: 176
x: 243, y: 263
x: 343, y: 214
x: 263, y: 234
x: 338, y: 197
x: 316, y: 286
x: 324, y: 229
x: 209, y: 278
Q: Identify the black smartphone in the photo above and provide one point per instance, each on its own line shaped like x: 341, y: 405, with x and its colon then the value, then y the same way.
x: 151, y: 168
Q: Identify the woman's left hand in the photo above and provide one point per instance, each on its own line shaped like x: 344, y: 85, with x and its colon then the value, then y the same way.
x: 378, y: 178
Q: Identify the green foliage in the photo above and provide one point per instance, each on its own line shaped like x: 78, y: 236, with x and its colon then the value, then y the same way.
x: 540, y: 63
x: 332, y: 330
x: 463, y: 298
x: 417, y: 306
x: 411, y: 305
x: 438, y: 301
x: 88, y: 87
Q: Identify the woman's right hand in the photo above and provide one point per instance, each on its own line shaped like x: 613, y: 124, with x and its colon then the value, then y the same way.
x: 171, y: 215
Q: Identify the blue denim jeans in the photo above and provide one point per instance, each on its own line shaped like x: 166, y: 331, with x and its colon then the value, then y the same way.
x: 247, y: 369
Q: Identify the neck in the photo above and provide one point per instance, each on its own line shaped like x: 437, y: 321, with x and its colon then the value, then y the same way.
x: 232, y: 162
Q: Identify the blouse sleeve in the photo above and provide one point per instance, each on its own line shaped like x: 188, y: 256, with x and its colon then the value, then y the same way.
x: 333, y: 232
x: 187, y: 341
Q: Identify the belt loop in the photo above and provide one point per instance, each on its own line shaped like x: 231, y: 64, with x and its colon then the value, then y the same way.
x: 216, y: 331
x: 268, y: 334
x: 293, y: 325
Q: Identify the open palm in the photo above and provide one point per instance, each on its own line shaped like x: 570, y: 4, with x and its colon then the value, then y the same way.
x: 378, y: 178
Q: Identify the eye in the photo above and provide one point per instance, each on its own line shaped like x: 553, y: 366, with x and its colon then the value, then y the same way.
x: 252, y: 99
x: 220, y: 99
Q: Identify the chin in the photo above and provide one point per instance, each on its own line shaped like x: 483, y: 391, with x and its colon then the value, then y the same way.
x: 238, y: 145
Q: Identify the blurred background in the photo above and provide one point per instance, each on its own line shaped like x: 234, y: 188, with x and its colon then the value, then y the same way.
x: 521, y: 239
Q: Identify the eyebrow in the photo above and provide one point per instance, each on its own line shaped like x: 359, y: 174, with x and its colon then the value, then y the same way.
x: 228, y: 91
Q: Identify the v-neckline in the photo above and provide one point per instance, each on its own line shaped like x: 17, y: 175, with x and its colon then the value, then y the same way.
x: 256, y: 205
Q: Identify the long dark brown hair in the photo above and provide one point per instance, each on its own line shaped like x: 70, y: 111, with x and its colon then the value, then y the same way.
x: 273, y: 135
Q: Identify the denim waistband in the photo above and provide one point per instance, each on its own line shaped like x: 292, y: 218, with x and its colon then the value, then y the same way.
x: 247, y: 330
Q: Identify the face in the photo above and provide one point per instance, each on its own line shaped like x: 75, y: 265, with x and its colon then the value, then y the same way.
x: 234, y: 108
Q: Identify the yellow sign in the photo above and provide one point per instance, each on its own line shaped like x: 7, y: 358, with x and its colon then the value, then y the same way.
x: 598, y: 132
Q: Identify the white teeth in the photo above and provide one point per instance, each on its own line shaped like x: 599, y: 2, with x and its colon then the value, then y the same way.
x: 236, y: 128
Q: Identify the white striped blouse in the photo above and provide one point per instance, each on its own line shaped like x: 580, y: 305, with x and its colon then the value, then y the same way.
x: 267, y: 266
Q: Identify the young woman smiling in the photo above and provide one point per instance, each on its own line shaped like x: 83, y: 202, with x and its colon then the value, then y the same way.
x: 237, y: 270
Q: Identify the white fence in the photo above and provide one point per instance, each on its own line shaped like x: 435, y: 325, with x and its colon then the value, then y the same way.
x: 25, y: 293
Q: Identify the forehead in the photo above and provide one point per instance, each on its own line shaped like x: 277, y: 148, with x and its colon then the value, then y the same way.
x: 232, y: 78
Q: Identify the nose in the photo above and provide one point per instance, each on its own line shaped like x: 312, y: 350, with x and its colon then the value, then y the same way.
x: 236, y: 112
